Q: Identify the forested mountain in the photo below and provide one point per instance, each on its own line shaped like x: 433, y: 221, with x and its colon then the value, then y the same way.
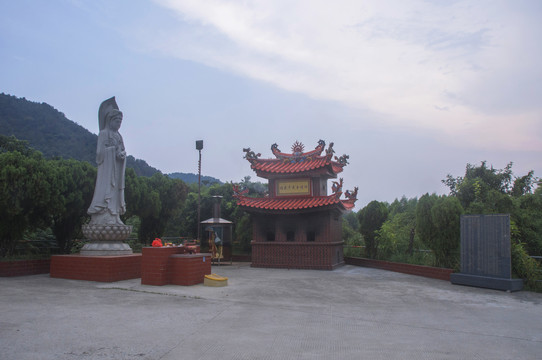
x: 46, y: 129
x: 193, y: 178
x: 50, y: 132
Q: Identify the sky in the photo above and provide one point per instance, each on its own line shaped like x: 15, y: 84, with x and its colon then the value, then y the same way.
x: 411, y: 90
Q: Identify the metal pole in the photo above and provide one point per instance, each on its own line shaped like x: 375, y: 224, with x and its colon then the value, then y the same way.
x: 199, y: 196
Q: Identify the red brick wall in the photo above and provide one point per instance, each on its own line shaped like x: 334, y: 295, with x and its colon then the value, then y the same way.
x: 24, y: 267
x: 189, y: 269
x: 96, y: 268
x: 156, y: 265
x: 297, y: 255
x: 241, y: 258
x: 420, y: 270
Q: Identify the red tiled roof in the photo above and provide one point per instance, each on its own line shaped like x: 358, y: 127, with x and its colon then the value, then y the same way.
x: 276, y: 166
x: 293, y: 203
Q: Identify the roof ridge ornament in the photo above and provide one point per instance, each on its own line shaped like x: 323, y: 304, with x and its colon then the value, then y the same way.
x: 297, y: 152
x: 352, y: 196
x: 237, y: 192
x: 337, y: 188
x: 250, y: 155
x: 343, y: 160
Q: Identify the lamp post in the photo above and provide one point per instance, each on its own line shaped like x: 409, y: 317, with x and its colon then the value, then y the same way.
x: 199, y: 146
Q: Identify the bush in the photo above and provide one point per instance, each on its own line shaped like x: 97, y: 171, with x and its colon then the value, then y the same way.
x: 353, y: 241
x: 525, y: 267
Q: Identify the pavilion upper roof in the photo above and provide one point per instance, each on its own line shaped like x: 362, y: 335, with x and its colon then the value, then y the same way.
x: 298, y: 162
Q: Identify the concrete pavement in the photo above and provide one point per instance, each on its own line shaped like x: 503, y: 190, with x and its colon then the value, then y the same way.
x: 348, y: 313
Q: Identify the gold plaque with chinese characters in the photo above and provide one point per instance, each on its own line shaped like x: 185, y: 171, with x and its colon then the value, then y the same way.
x: 293, y: 187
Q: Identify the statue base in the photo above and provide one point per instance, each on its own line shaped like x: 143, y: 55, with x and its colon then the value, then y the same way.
x: 106, y: 240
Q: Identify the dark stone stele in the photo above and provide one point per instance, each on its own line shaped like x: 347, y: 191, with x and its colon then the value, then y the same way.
x: 485, y: 253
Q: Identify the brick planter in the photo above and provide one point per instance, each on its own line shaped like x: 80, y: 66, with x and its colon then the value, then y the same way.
x: 156, y: 264
x: 419, y: 270
x: 24, y: 267
x: 190, y: 269
x: 169, y: 265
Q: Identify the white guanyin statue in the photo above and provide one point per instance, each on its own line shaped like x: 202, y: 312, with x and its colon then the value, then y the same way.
x: 106, y: 231
x: 108, y: 201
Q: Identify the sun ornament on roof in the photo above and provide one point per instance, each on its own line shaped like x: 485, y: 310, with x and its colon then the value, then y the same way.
x: 297, y: 154
x: 297, y: 148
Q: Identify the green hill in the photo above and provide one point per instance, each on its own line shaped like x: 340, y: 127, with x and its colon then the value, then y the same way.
x: 50, y: 132
x: 193, y: 178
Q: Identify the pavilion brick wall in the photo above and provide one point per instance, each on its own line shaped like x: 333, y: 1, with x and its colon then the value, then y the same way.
x: 419, y: 270
x: 96, y: 268
x: 24, y: 267
x: 325, y: 253
x: 297, y: 255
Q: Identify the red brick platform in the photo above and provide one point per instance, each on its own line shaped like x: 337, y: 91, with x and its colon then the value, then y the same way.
x: 169, y: 265
x: 96, y: 268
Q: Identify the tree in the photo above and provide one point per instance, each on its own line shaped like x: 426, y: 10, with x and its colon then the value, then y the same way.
x: 486, y: 190
x: 25, y: 197
x: 425, y: 227
x: 527, y: 216
x: 161, y: 200
x: 524, y: 185
x: 11, y: 143
x: 73, y: 188
x: 446, y: 215
x: 371, y: 218
x: 243, y: 233
x: 396, y: 236
x: 438, y: 227
x: 352, y: 238
x: 351, y: 218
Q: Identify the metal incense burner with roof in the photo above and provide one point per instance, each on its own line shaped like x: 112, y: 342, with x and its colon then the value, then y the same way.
x: 218, y: 233
x: 299, y: 224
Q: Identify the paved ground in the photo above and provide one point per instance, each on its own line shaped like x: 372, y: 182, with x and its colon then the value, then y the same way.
x: 348, y: 313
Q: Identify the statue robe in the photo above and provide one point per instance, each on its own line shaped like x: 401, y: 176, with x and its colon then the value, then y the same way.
x: 109, y: 190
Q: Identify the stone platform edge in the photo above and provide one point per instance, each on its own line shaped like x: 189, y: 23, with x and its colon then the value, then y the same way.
x: 487, y: 282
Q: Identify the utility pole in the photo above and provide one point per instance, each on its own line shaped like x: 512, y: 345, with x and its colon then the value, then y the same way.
x: 199, y: 146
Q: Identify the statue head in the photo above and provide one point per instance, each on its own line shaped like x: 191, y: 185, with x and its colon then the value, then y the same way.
x: 108, y: 109
x: 113, y: 119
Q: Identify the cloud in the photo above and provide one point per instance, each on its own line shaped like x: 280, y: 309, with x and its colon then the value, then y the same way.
x: 405, y: 61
